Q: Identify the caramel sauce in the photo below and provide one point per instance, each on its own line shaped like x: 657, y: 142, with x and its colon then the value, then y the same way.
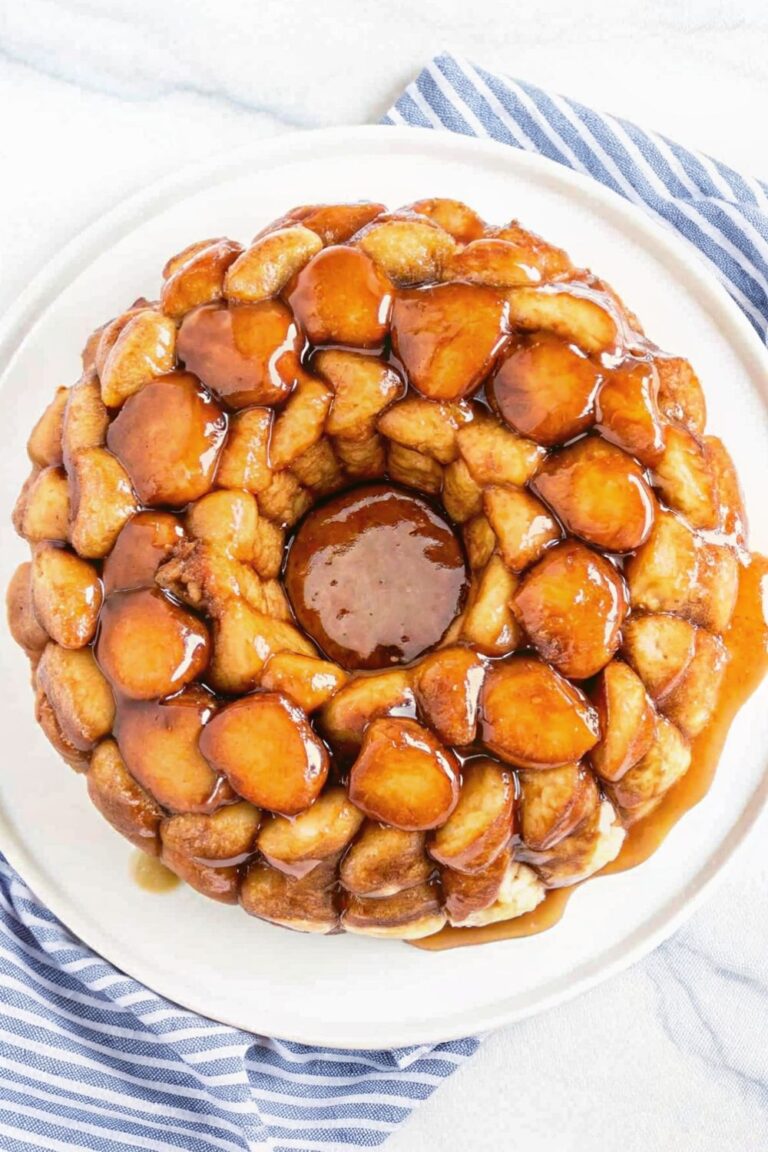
x: 747, y: 643
x: 159, y: 742
x: 546, y: 389
x: 150, y: 874
x: 375, y: 577
x: 599, y: 493
x: 168, y: 437
x: 246, y: 353
x: 573, y: 592
x: 548, y: 913
x: 247, y: 738
x: 395, y: 592
x: 622, y: 408
x: 146, y: 542
x: 342, y: 297
x: 533, y: 718
x: 448, y: 337
x: 148, y: 646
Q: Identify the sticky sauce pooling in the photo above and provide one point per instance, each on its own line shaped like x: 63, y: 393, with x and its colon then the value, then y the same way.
x: 375, y: 577
x: 747, y: 643
x: 151, y: 875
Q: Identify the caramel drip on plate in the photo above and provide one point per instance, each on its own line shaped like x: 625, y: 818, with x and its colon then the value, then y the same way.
x: 150, y: 874
x: 747, y: 643
x: 540, y: 919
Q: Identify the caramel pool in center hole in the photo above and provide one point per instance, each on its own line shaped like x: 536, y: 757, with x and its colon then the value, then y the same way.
x: 375, y: 577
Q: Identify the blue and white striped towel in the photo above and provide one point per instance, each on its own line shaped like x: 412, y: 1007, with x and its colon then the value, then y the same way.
x: 721, y: 212
x: 89, y: 1059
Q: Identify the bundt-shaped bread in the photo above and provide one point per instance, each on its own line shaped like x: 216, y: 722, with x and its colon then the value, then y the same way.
x: 379, y: 570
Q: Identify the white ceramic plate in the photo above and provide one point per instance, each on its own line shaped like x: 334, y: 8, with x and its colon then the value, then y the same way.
x: 345, y: 991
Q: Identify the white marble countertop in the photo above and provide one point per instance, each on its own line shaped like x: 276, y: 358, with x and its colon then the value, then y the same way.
x: 102, y: 96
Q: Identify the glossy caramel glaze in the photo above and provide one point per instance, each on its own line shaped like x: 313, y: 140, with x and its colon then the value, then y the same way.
x: 375, y: 577
x: 573, y: 591
x: 159, y: 742
x: 448, y: 337
x: 247, y: 738
x: 246, y: 353
x: 627, y: 412
x: 599, y: 493
x: 546, y: 388
x: 145, y: 543
x: 517, y: 690
x: 747, y: 645
x: 404, y: 776
x: 342, y: 297
x: 548, y: 913
x: 168, y: 437
x: 746, y: 642
x: 148, y: 646
x: 433, y: 699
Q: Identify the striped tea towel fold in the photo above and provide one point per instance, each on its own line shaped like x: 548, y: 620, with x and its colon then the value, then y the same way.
x: 723, y: 213
x: 90, y: 1059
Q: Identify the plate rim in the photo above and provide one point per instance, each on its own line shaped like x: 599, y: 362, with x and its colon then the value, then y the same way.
x: 18, y: 322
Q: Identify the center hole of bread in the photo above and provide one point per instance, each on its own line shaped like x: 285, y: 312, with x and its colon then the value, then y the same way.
x: 375, y: 576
